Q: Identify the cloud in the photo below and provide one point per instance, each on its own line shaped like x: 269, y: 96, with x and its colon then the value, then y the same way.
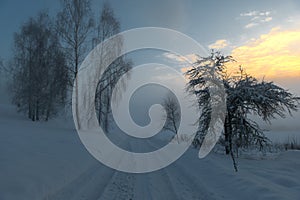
x: 219, y: 44
x: 182, y: 59
x: 294, y: 20
x: 249, y: 14
x: 250, y: 25
x: 276, y: 54
x: 255, y: 13
x: 267, y: 13
x: 268, y: 19
x: 257, y: 18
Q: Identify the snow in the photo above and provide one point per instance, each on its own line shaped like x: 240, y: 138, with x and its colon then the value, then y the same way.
x: 283, y: 136
x: 47, y: 161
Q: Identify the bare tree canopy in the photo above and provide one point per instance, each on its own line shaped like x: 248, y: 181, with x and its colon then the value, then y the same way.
x: 107, y: 26
x: 39, y: 69
x: 172, y: 116
x: 74, y: 25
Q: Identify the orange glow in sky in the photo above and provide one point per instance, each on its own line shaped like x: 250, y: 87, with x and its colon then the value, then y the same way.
x: 273, y: 55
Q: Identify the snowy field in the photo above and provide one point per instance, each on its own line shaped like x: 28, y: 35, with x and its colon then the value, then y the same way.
x: 47, y: 161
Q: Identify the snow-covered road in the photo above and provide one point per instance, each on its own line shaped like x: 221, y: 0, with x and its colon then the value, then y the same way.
x: 47, y: 161
x: 211, y: 178
x: 102, y: 183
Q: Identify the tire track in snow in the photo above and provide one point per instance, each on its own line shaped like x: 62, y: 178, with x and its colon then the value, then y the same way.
x: 154, y: 185
x: 87, y: 186
x: 120, y: 186
x: 102, y: 183
x: 179, y: 184
x: 98, y: 182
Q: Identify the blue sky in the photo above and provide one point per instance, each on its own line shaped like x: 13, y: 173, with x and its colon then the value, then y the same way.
x: 205, y: 21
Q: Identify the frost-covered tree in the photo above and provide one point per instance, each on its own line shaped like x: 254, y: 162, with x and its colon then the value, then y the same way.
x: 245, y: 96
x: 39, y: 71
x: 108, y: 25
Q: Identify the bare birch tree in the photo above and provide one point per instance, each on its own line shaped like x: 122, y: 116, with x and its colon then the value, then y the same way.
x: 108, y: 26
x: 74, y: 25
x: 172, y: 116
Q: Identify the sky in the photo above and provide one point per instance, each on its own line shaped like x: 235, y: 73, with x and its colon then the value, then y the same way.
x: 249, y: 30
x: 262, y: 35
